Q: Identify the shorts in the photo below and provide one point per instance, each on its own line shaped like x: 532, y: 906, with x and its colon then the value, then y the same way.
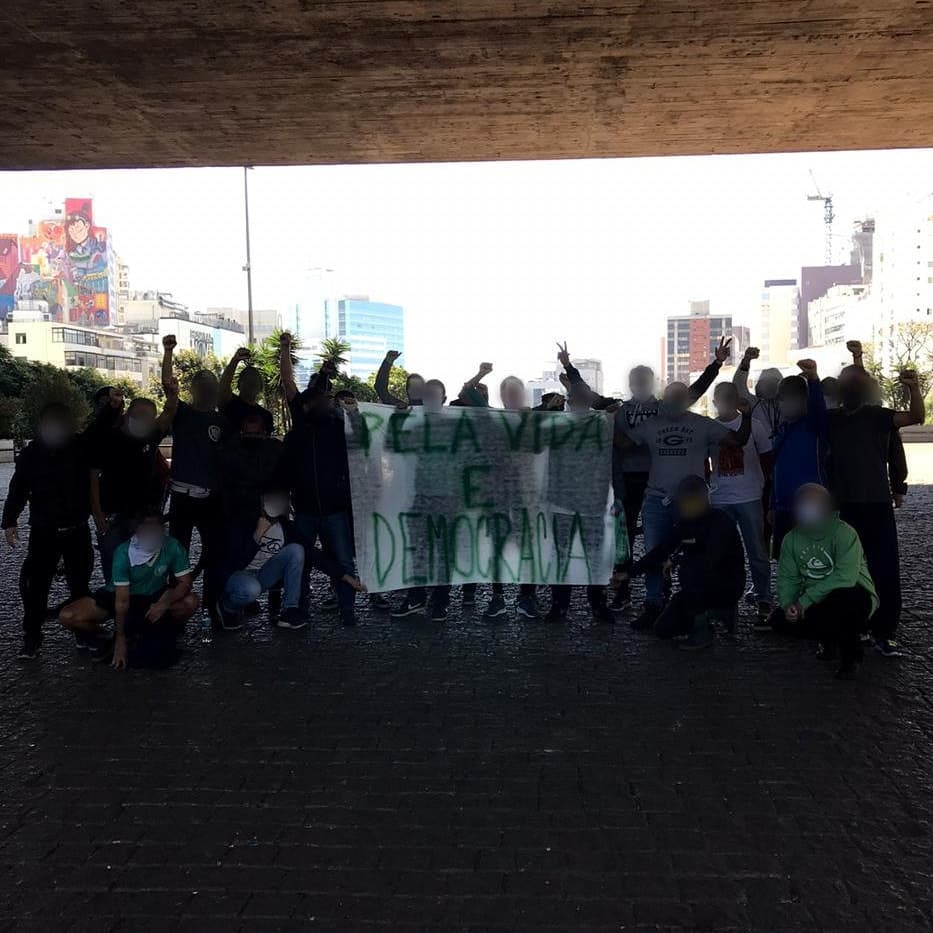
x: 139, y: 605
x: 148, y: 644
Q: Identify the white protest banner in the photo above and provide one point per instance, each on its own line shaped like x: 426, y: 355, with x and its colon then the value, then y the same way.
x: 473, y: 495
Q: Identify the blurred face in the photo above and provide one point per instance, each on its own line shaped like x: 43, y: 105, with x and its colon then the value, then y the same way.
x: 150, y: 534
x: 793, y: 398
x: 768, y: 387
x: 345, y: 399
x: 676, y: 399
x: 813, y: 507
x: 56, y: 429
x: 512, y: 392
x: 830, y: 389
x: 140, y: 420
x: 275, y: 504
x: 250, y: 384
x: 433, y: 396
x: 415, y: 389
x: 725, y: 400
x: 641, y: 383
x: 204, y: 390
x: 855, y: 389
x: 252, y: 427
x: 692, y: 506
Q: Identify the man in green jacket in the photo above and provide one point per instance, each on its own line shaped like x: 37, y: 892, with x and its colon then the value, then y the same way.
x: 824, y: 588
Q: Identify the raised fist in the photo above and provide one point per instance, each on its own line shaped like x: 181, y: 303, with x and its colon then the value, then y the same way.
x: 752, y: 353
x: 854, y: 347
x: 169, y: 342
x: 909, y: 379
x: 807, y: 367
x: 393, y: 355
x: 241, y: 355
x: 485, y: 368
x: 285, y: 340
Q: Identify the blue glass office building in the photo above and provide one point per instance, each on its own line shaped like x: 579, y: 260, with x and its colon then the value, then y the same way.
x: 370, y: 327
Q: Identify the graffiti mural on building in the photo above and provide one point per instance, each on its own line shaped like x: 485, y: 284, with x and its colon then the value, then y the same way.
x: 9, y: 272
x: 67, y: 265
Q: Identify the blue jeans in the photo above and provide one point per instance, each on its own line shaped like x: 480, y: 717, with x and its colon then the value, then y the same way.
x: 750, y: 518
x: 657, y: 521
x: 246, y: 586
x: 336, y: 537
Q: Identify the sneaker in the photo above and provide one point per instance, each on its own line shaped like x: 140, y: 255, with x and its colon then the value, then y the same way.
x: 888, y: 648
x: 528, y: 608
x: 647, y: 618
x: 701, y: 638
x: 555, y: 615
x: 292, y: 618
x: 30, y: 649
x: 103, y: 653
x: 866, y: 640
x: 602, y: 614
x: 329, y: 603
x: 496, y: 608
x: 826, y: 651
x: 848, y: 670
x: 230, y: 620
x: 621, y: 600
x: 438, y: 613
x: 348, y: 616
x: 409, y: 607
x: 85, y: 642
x: 378, y: 602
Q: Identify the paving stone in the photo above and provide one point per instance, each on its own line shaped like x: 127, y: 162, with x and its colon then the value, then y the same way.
x: 457, y: 778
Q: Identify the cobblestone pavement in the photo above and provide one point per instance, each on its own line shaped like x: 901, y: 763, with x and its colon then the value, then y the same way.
x: 410, y: 776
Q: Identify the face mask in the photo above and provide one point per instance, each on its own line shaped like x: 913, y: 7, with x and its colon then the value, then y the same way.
x: 139, y: 427
x: 793, y: 408
x: 274, y: 506
x: 641, y: 393
x: 810, y: 514
x: 54, y: 435
x: 676, y: 407
x: 691, y: 508
x: 144, y: 545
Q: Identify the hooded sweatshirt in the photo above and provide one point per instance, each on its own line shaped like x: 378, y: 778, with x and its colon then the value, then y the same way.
x: 814, y: 562
x: 766, y: 411
x: 800, y: 449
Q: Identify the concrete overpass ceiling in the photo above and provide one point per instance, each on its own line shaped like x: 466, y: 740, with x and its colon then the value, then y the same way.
x: 111, y: 83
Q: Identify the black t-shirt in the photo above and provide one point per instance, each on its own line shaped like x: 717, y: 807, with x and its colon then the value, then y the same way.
x: 236, y: 411
x: 195, y: 440
x: 129, y: 478
x: 859, y: 443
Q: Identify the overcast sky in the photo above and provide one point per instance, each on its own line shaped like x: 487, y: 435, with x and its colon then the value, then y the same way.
x: 492, y: 261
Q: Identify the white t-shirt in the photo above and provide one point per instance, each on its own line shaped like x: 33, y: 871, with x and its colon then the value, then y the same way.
x: 737, y: 475
x: 273, y: 540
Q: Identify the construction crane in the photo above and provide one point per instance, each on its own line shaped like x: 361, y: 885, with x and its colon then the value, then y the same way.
x: 828, y: 216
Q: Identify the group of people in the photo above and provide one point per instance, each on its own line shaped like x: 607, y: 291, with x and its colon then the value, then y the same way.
x: 800, y: 471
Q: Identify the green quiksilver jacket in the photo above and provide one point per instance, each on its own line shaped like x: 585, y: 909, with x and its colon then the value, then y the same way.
x: 814, y: 562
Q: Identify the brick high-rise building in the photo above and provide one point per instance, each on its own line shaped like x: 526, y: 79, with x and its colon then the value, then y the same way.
x: 692, y: 339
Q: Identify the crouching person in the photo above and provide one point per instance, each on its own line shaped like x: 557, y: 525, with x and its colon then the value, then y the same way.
x: 824, y: 588
x: 149, y: 599
x: 705, y: 546
x: 264, y: 554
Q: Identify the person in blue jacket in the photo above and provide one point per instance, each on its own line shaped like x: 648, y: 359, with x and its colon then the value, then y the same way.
x: 800, y: 446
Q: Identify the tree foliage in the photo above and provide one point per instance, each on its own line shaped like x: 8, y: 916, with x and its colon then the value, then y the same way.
x: 26, y: 387
x: 398, y: 382
x: 911, y: 348
x: 186, y: 365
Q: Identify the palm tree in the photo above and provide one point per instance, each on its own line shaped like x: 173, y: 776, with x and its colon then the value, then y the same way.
x: 334, y: 350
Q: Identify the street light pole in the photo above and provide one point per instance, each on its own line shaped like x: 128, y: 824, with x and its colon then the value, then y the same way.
x: 248, y: 269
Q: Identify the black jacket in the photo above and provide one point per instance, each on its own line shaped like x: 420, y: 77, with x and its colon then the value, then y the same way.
x: 247, y: 466
x: 709, y: 557
x: 314, y: 465
x: 55, y: 483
